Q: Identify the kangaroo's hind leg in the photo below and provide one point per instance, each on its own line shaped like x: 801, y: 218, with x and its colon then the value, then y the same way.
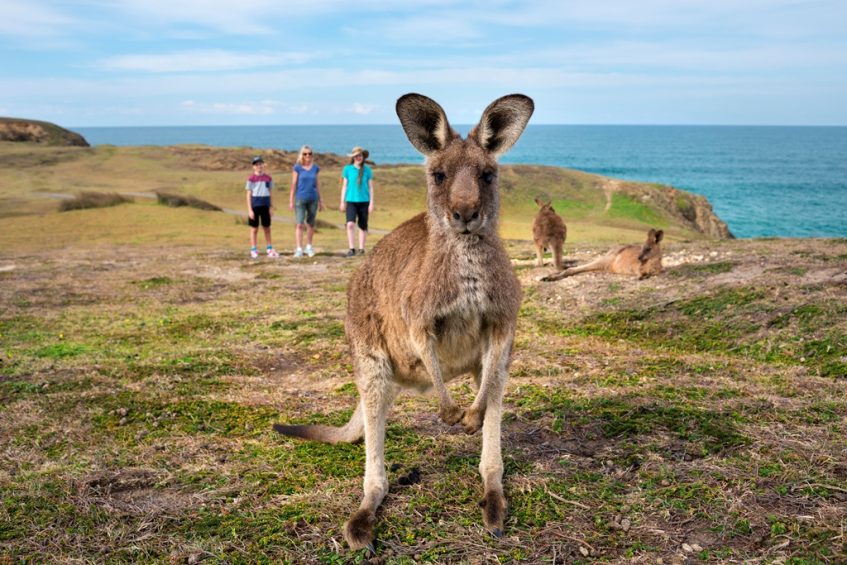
x: 539, y: 254
x: 487, y: 412
x: 377, y: 392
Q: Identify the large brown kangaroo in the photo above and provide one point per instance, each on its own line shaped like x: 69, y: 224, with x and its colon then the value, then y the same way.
x: 548, y: 230
x: 436, y: 299
x: 640, y: 260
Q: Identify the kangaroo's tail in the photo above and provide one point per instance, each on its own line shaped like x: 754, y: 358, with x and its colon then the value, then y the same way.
x: 351, y: 432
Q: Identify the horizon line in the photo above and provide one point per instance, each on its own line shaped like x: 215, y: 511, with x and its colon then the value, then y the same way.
x: 454, y: 125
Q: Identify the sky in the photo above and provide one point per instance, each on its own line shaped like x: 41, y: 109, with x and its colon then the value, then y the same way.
x: 277, y: 62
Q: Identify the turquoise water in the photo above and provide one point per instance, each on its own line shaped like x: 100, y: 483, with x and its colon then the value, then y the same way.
x: 761, y: 180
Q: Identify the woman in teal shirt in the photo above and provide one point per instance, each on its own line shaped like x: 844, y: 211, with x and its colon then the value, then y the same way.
x: 357, y: 197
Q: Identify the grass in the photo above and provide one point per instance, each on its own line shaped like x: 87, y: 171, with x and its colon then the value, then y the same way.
x: 697, y: 415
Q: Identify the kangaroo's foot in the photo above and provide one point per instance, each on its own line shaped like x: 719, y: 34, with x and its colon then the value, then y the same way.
x: 493, y: 512
x: 472, y: 420
x: 359, y: 530
x: 450, y: 413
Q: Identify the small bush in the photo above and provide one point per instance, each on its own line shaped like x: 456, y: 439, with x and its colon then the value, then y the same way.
x: 323, y: 224
x: 93, y: 200
x: 177, y: 200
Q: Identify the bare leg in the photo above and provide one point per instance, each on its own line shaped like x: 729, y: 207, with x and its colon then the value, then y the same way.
x: 267, y: 230
x: 377, y: 394
x: 362, y: 234
x: 310, y: 233
x: 350, y: 235
x: 298, y: 236
x: 253, y: 236
x: 539, y: 255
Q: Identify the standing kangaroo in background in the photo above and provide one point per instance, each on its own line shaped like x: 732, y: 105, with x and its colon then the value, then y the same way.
x: 436, y: 299
x: 640, y: 260
x: 548, y: 231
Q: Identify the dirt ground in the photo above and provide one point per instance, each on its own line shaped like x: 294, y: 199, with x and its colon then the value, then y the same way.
x: 697, y: 416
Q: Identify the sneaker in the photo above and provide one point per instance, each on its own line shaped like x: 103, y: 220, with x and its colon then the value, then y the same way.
x: 361, y: 251
x: 309, y: 251
x: 254, y: 254
x: 272, y: 252
x: 298, y: 253
x: 351, y: 253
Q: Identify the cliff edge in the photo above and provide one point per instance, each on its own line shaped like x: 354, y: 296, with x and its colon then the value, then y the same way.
x: 34, y: 131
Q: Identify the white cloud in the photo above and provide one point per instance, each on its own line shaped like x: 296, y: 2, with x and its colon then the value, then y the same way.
x: 262, y: 108
x: 363, y: 109
x: 201, y: 61
x: 25, y: 19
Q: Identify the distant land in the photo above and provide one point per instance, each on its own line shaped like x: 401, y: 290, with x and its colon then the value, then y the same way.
x: 34, y: 131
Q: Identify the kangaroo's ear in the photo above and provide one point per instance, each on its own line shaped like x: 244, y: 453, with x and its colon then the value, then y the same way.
x: 659, y: 235
x: 539, y: 202
x: 503, y: 122
x: 424, y: 122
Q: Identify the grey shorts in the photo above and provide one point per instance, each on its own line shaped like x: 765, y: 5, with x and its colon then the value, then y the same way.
x: 306, y: 211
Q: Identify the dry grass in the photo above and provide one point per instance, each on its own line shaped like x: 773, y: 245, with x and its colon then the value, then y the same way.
x: 138, y: 391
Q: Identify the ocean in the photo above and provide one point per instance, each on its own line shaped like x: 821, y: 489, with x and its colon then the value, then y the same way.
x: 763, y: 181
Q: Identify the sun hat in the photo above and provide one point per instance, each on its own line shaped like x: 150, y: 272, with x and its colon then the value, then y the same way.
x: 258, y: 160
x: 356, y: 150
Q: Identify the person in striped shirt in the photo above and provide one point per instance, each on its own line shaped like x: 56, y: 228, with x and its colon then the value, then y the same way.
x: 259, y: 206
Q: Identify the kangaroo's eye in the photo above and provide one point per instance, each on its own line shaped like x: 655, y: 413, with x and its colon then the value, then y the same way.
x: 439, y: 177
x: 487, y: 177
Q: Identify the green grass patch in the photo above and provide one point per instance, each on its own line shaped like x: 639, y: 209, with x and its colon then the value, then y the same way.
x: 628, y: 208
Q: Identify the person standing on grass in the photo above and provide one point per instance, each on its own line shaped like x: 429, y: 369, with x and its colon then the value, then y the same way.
x: 357, y: 197
x: 305, y: 199
x: 259, y: 206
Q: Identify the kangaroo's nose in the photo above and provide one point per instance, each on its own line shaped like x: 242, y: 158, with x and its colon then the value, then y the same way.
x: 465, y: 214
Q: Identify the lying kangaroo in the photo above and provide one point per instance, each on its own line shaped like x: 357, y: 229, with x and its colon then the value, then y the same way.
x: 641, y: 260
x: 436, y: 299
x: 548, y: 231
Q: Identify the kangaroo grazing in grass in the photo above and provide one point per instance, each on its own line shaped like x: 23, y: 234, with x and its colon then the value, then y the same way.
x: 436, y: 299
x: 640, y: 260
x: 548, y: 231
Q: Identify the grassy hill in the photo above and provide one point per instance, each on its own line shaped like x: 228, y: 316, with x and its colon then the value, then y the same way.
x: 595, y: 209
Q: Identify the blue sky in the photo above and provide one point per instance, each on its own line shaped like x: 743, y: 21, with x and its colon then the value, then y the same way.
x: 211, y: 62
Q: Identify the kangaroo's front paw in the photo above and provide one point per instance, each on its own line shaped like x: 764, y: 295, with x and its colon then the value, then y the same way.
x: 450, y: 414
x: 359, y: 530
x: 472, y: 420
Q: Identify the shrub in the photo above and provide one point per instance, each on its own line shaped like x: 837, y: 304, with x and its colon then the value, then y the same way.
x: 177, y: 200
x: 93, y: 200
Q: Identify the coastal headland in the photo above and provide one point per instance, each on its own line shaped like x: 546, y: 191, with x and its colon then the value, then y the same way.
x: 696, y: 416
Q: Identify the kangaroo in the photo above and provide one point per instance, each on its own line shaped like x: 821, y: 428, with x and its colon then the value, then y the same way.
x: 436, y: 299
x: 641, y: 260
x: 548, y: 231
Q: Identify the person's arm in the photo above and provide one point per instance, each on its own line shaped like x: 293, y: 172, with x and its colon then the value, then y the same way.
x: 250, y: 205
x: 270, y: 185
x: 371, y: 194
x: 318, y: 190
x: 343, y: 205
x: 294, y: 176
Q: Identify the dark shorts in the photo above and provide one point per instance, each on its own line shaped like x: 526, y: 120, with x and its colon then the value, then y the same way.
x: 358, y: 210
x: 262, y: 213
x: 306, y: 211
